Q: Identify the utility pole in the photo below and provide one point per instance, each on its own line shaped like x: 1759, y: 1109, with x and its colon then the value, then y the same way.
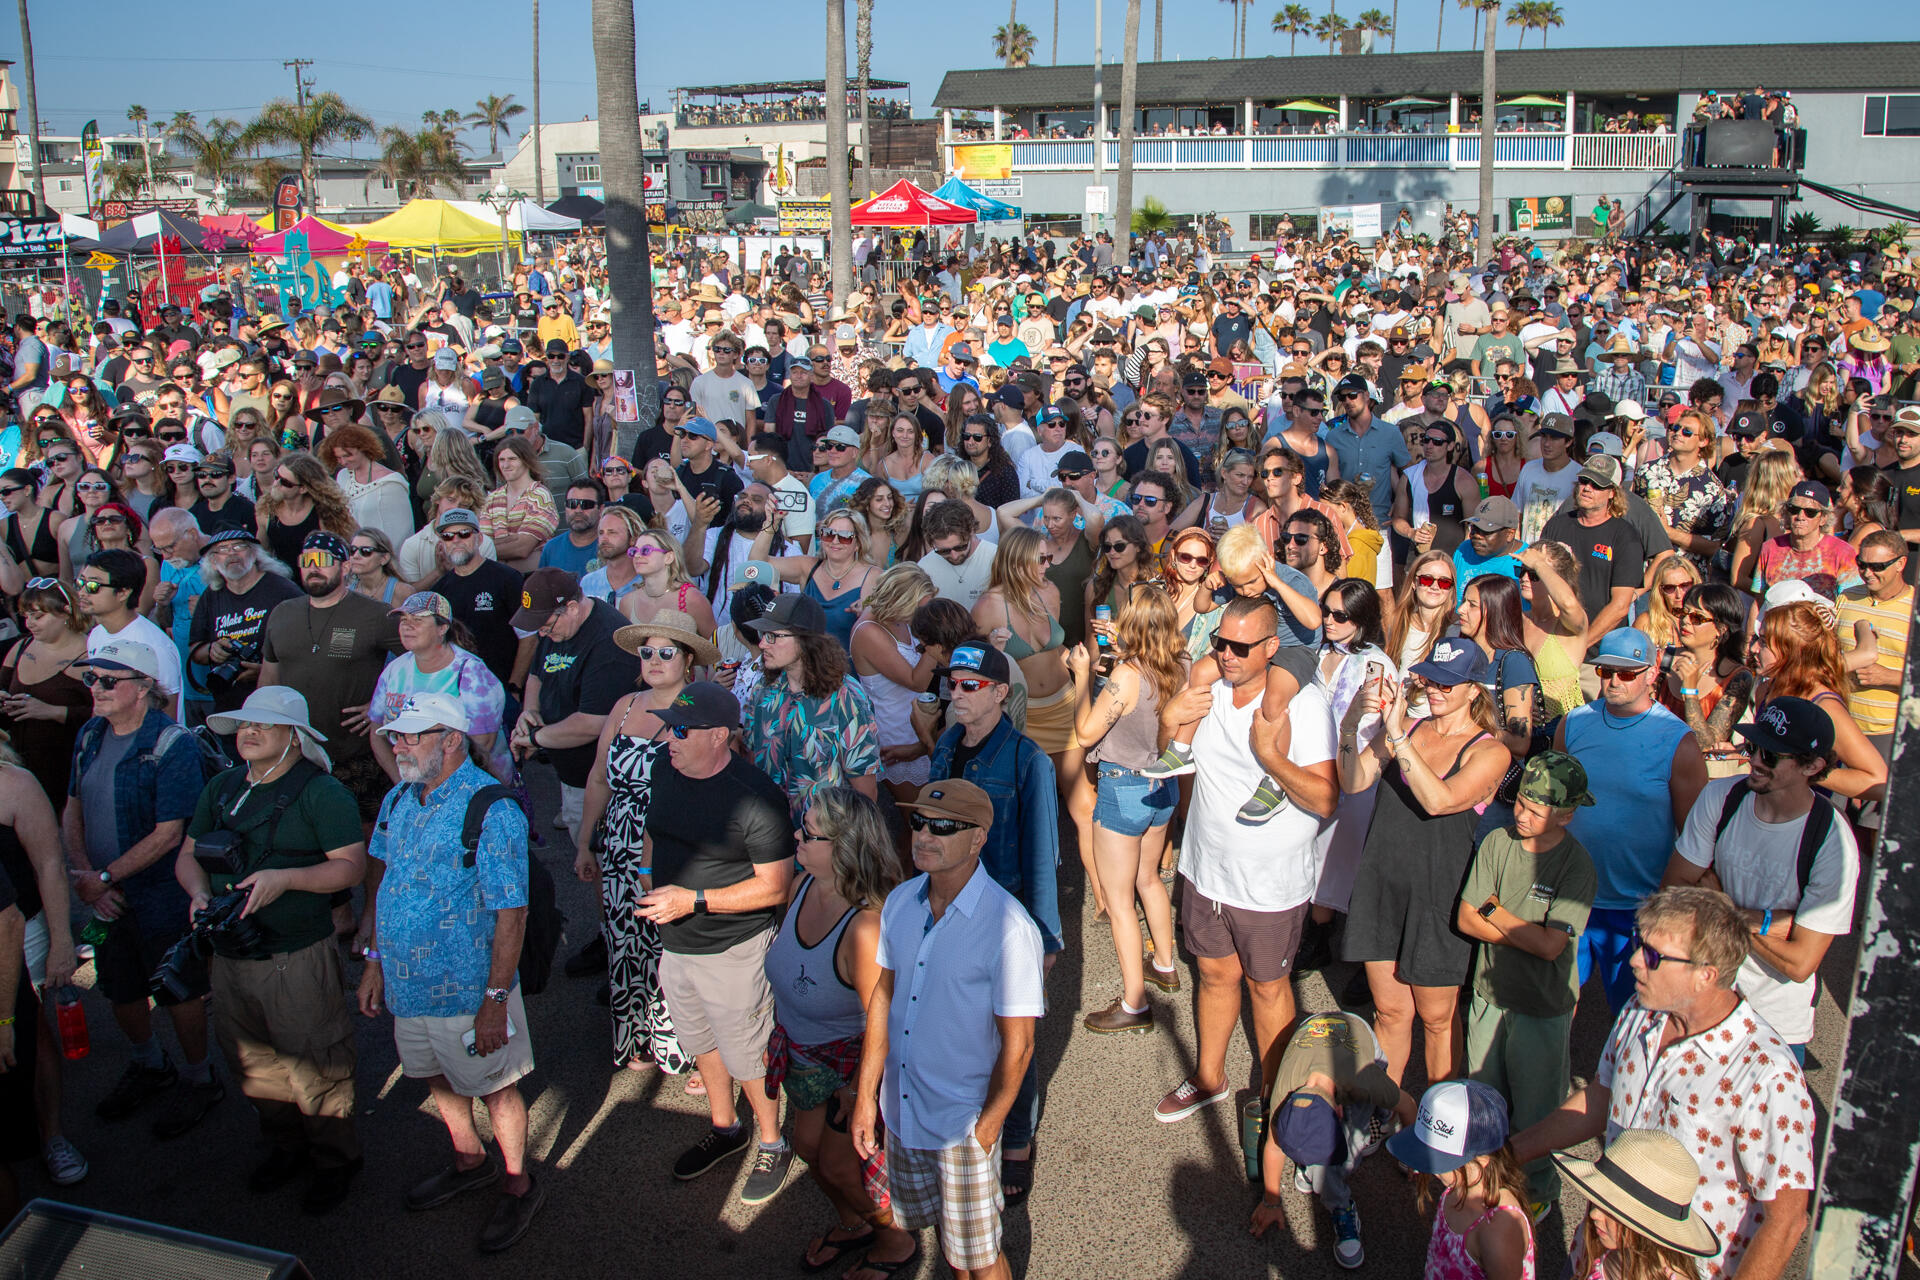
x: 300, y: 83
x: 539, y: 171
x: 33, y: 112
x: 1488, y: 100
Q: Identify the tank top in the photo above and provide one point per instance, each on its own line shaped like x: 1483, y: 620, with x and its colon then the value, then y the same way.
x: 1629, y: 765
x: 450, y: 398
x: 1070, y: 577
x: 1313, y: 465
x: 1439, y: 507
x: 841, y: 611
x: 810, y: 998
x: 46, y: 746
x: 46, y: 544
x: 1134, y: 740
x: 892, y: 703
x: 1490, y: 484
x: 1056, y: 636
x: 1447, y: 1256
x: 1559, y: 678
x: 19, y: 869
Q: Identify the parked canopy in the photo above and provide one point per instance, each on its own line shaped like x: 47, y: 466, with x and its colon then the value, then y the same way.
x: 324, y: 239
x: 954, y: 191
x: 434, y: 224
x: 586, y: 209
x: 522, y: 215
x: 905, y: 205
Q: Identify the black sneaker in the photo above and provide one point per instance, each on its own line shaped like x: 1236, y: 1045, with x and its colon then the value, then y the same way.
x: 590, y: 959
x: 136, y: 1087
x: 510, y: 1217
x: 714, y: 1146
x: 329, y: 1188
x: 767, y: 1174
x: 187, y: 1106
x: 435, y: 1190
x: 277, y: 1170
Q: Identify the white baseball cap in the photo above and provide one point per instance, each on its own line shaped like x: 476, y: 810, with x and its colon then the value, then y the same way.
x: 182, y: 453
x: 125, y: 655
x: 423, y: 711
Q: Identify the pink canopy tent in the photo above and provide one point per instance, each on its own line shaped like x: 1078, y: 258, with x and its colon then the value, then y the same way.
x: 324, y: 240
x: 238, y: 228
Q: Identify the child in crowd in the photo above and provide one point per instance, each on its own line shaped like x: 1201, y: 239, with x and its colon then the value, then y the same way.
x: 1632, y: 1231
x: 1481, y: 1230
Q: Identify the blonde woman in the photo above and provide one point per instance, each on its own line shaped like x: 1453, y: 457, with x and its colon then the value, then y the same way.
x: 838, y: 578
x: 1422, y: 610
x: 665, y: 586
x: 370, y: 558
x: 1760, y: 516
x: 1668, y: 582
x: 894, y: 669
x: 955, y: 477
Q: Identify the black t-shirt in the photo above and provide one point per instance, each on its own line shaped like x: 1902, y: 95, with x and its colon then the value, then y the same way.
x: 409, y: 380
x: 466, y: 301
x: 240, y: 620
x: 486, y: 601
x: 237, y: 513
x: 1906, y: 506
x: 717, y: 480
x: 334, y: 656
x: 1136, y: 460
x: 709, y: 833
x: 527, y: 319
x: 1609, y: 556
x: 559, y: 405
x: 655, y: 442
x: 586, y: 672
x: 285, y: 541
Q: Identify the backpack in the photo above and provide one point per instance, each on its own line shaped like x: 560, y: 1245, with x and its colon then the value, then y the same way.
x: 546, y: 926
x: 213, y: 757
x: 1813, y: 832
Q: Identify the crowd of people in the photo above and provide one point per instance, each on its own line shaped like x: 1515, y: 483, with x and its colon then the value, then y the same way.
x: 1519, y: 633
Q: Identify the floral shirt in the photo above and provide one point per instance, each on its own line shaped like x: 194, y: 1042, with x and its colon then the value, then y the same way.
x: 809, y: 744
x: 1735, y: 1097
x: 1697, y: 502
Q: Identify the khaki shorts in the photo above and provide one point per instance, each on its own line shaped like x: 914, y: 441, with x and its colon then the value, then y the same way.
x: 956, y: 1189
x: 722, y: 1002
x: 433, y: 1047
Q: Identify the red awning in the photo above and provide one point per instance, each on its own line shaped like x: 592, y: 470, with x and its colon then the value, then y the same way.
x: 905, y: 205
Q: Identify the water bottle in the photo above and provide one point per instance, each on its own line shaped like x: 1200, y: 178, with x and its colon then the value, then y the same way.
x: 1252, y: 1137
x: 94, y: 931
x: 71, y: 1018
x: 1103, y: 613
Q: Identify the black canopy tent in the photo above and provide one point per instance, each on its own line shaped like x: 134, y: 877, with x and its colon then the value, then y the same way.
x: 589, y: 211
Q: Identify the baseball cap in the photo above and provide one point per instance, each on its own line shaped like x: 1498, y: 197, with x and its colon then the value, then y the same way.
x: 791, y: 612
x: 1013, y: 395
x: 1308, y: 1131
x: 954, y: 798
x: 1220, y: 364
x: 1791, y: 725
x: 453, y: 517
x: 543, y: 594
x: 1073, y: 460
x: 1748, y: 426
x: 1630, y: 410
x: 1194, y: 382
x: 1352, y: 385
x: 1603, y: 470
x: 845, y: 333
x: 520, y: 417
x: 1495, y: 513
x: 489, y: 352
x: 803, y: 362
x: 510, y: 347
x: 125, y: 655
x: 1455, y: 660
x: 1605, y: 443
x: 752, y: 571
x: 1626, y: 648
x: 960, y: 353
x: 424, y: 604
x: 493, y: 380
x: 446, y: 358
x: 1556, y: 424
x: 1807, y: 490
x: 702, y: 705
x: 423, y: 711
x: 182, y: 453
x: 701, y: 427
x: 981, y: 660
x: 842, y: 435
x: 1556, y: 779
x: 1459, y: 1121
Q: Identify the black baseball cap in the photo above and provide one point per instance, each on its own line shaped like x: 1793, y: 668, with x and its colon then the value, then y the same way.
x: 791, y: 612
x: 1794, y: 726
x: 1748, y: 426
x: 1073, y: 460
x: 1352, y: 385
x: 704, y: 705
x: 982, y: 660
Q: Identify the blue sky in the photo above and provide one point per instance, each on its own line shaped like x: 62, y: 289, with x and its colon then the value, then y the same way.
x: 394, y: 61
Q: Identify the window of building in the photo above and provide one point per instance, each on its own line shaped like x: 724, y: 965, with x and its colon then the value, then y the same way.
x: 713, y: 175
x: 657, y: 168
x: 1892, y: 115
x: 66, y: 184
x: 586, y: 173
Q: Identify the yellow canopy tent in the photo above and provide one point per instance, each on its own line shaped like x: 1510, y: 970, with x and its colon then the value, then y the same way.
x: 438, y: 226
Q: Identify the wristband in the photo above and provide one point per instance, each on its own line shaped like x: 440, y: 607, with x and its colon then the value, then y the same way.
x: 372, y: 953
x: 1766, y: 921
x: 6, y: 1021
x: 1689, y: 693
x: 534, y: 737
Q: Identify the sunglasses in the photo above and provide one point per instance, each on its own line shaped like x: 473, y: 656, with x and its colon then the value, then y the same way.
x: 665, y: 653
x: 357, y: 550
x: 1237, y: 648
x: 1811, y: 513
x: 1185, y: 558
x: 1653, y: 959
x: 57, y: 458
x: 92, y: 486
x: 939, y: 826
x: 1441, y: 441
x: 1114, y: 548
x: 318, y: 559
x: 93, y: 586
x: 975, y: 436
x: 1505, y: 435
x: 457, y: 535
x: 971, y: 684
x: 582, y: 504
x: 1433, y: 580
x: 1297, y: 539
x: 1340, y: 616
x: 951, y: 553
x: 109, y: 683
x: 1624, y: 675
x: 107, y: 518
x: 1146, y: 500
x: 676, y: 404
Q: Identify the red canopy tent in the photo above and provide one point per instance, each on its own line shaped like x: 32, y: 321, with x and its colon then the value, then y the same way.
x: 905, y: 205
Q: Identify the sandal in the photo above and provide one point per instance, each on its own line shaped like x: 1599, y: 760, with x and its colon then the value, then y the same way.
x: 1016, y: 1178
x: 696, y: 1087
x: 841, y: 1248
x: 885, y: 1268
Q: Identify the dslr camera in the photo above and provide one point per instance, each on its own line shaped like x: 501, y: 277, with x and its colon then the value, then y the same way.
x: 217, y: 927
x: 222, y: 679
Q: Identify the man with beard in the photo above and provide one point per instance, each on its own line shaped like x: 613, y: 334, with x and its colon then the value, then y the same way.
x: 177, y: 540
x: 244, y: 584
x: 110, y: 585
x: 331, y: 646
x: 713, y: 551
x: 790, y: 496
x: 483, y: 592
x: 617, y: 577
x: 573, y: 548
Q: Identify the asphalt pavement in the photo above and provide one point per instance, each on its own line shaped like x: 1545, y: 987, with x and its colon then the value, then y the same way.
x: 1115, y: 1193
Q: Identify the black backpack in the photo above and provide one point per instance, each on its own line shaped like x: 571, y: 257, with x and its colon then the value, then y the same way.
x: 546, y: 926
x: 1813, y: 832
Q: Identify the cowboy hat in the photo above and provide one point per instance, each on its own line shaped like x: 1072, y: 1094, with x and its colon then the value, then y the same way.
x: 1622, y: 345
x: 1870, y: 339
x: 333, y: 398
x: 276, y: 704
x: 1565, y: 364
x: 393, y: 397
x: 1646, y: 1179
x: 709, y: 293
x: 675, y: 625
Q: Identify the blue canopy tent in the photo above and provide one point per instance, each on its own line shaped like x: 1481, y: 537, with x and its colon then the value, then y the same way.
x: 954, y: 191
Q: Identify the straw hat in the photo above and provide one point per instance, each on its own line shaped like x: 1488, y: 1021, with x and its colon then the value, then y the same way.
x: 333, y: 398
x: 394, y: 398
x: 1869, y: 339
x: 676, y: 626
x: 1647, y: 1179
x: 709, y: 293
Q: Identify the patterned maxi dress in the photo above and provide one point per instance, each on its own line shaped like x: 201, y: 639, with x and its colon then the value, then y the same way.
x: 642, y: 1028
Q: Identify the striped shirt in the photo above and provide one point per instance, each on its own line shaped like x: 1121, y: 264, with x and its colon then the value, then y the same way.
x: 1874, y: 709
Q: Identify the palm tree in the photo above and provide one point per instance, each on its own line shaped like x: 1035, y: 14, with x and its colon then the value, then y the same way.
x: 1290, y: 22
x: 1056, y: 34
x: 1013, y: 45
x: 214, y: 151
x: 1521, y: 15
x: 1158, y: 5
x: 629, y: 268
x: 119, y: 181
x: 264, y: 174
x: 1129, y: 115
x: 1547, y: 14
x: 1474, y: 5
x: 863, y: 60
x: 1233, y: 27
x: 1328, y: 29
x: 839, y: 183
x: 416, y: 163
x: 1150, y: 217
x: 137, y: 114
x: 1393, y: 30
x: 326, y: 118
x: 493, y: 113
x: 1375, y: 21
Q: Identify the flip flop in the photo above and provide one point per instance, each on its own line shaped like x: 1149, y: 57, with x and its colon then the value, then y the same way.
x: 889, y: 1268
x: 695, y: 1086
x: 841, y: 1248
x: 1016, y: 1177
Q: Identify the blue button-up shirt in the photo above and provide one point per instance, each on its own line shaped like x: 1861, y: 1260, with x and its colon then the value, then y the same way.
x: 435, y: 914
x: 953, y: 976
x: 923, y: 345
x: 1022, y: 853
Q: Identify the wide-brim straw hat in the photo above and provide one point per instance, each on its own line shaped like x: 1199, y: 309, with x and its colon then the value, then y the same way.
x: 1869, y: 339
x: 674, y: 625
x: 1647, y: 1179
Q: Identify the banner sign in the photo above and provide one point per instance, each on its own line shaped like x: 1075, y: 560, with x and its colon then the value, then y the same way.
x: 1540, y: 213
x: 626, y: 402
x: 122, y: 210
x: 1359, y: 221
x: 800, y: 217
x: 286, y: 202
x: 982, y: 160
x: 998, y: 188
x: 91, y: 154
x: 30, y: 237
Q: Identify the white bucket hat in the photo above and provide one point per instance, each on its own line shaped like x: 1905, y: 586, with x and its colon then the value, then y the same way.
x: 276, y: 704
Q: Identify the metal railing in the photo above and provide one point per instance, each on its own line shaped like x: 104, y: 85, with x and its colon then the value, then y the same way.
x: 1624, y: 150
x: 1359, y: 151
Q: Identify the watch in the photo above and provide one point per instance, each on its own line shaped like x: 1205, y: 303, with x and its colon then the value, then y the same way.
x: 1488, y: 907
x: 106, y: 875
x: 498, y: 994
x: 700, y: 902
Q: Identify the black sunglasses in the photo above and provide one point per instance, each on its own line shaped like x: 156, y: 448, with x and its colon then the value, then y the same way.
x: 1654, y: 959
x: 939, y: 826
x: 1237, y: 648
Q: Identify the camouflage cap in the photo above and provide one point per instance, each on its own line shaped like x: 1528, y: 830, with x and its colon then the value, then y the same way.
x: 1557, y: 779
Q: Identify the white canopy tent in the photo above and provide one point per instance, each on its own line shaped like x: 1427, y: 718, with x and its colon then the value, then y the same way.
x: 522, y: 216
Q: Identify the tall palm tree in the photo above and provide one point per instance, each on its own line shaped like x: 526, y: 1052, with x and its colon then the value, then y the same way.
x: 1233, y: 27
x: 1489, y: 100
x: 137, y: 114
x: 30, y: 100
x: 1521, y: 15
x: 863, y: 65
x: 1328, y: 29
x: 629, y: 264
x: 1547, y: 14
x: 1014, y: 45
x: 1393, y: 30
x: 1129, y: 113
x: 1013, y: 15
x: 214, y: 152
x: 419, y: 162
x: 539, y: 169
x: 493, y: 113
x: 839, y: 182
x: 1473, y: 5
x: 1055, y: 59
x: 326, y: 118
x: 1158, y: 6
x: 1246, y: 8
x: 1291, y: 22
x: 1375, y: 21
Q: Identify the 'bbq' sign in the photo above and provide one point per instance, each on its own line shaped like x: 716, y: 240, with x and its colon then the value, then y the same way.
x: 30, y: 237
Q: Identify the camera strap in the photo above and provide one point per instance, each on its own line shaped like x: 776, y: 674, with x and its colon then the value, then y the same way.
x: 292, y: 783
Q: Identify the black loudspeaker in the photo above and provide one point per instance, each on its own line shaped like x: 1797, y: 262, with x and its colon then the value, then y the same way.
x: 1741, y: 144
x: 54, y: 1241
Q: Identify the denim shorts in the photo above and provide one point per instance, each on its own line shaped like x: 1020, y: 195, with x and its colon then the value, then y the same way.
x: 1129, y: 805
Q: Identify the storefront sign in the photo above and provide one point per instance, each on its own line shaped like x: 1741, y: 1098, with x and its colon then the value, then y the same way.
x: 798, y: 217
x: 30, y: 237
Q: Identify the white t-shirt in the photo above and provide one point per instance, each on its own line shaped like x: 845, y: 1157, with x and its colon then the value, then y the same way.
x: 965, y: 582
x: 1017, y: 439
x: 1036, y: 468
x: 1540, y: 492
x: 715, y: 397
x: 1759, y: 866
x: 148, y: 633
x: 1271, y: 866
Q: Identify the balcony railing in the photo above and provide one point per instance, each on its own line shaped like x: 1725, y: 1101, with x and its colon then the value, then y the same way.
x: 1358, y: 151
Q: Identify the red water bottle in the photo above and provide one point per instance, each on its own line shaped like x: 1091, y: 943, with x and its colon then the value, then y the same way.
x: 71, y: 1016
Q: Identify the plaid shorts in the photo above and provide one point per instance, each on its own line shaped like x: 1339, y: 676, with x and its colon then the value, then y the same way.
x: 956, y: 1189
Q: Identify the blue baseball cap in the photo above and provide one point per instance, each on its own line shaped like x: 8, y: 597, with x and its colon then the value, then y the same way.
x: 1454, y: 660
x: 1308, y: 1131
x: 700, y: 427
x: 1460, y: 1120
x: 1624, y: 647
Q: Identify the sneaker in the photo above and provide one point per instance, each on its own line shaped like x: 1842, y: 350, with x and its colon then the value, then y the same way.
x: 714, y: 1146
x: 136, y: 1087
x: 1116, y: 1018
x: 588, y: 960
x: 188, y: 1106
x: 1302, y: 1181
x: 766, y: 1174
x: 435, y: 1190
x: 1316, y: 948
x: 1186, y: 1099
x: 1380, y: 1126
x: 1165, y: 979
x: 1347, y: 1250
x: 1176, y: 761
x: 510, y: 1217
x: 329, y: 1188
x: 64, y: 1163
x: 277, y: 1170
x: 1266, y: 803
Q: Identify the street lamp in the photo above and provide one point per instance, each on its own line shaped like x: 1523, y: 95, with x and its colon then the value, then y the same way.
x: 501, y: 199
x: 219, y: 195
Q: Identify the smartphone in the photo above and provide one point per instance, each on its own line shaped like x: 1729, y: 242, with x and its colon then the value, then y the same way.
x: 468, y: 1038
x: 790, y: 502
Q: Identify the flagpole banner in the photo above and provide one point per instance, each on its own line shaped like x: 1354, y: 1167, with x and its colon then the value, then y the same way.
x: 286, y: 202
x: 91, y: 154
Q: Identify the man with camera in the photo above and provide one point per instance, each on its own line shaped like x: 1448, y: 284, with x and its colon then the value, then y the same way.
x: 448, y: 916
x: 268, y: 843
x: 136, y: 775
x: 229, y: 618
